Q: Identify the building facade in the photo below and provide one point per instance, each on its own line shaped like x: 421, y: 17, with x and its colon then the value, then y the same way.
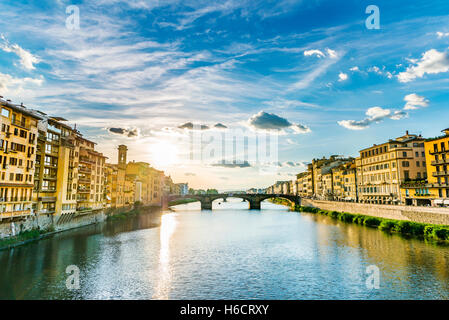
x: 17, y: 159
x: 381, y: 169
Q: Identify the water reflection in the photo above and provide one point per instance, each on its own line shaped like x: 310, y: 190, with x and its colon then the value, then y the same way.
x: 168, y: 227
x: 227, y: 253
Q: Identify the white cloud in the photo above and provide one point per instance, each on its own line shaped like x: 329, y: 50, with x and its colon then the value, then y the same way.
x: 11, y: 85
x: 373, y: 115
x: 414, y: 101
x: 285, y: 103
x: 432, y: 62
x: 318, y: 53
x: 330, y: 53
x: 342, y: 76
x: 27, y: 60
x: 354, y: 69
x: 442, y: 34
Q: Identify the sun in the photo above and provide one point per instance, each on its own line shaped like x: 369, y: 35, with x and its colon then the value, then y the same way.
x: 164, y: 154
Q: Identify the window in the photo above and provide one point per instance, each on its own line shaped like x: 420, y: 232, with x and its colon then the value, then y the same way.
x: 5, y: 112
x: 406, y: 175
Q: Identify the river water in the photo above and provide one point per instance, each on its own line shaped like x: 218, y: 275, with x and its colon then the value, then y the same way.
x: 227, y: 253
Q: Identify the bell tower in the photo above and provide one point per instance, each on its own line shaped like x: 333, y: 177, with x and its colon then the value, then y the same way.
x: 122, y: 150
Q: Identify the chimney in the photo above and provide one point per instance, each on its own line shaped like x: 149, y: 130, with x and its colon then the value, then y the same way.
x: 406, y: 133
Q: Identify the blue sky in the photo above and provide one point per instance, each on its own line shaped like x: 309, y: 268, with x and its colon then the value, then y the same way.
x: 310, y: 71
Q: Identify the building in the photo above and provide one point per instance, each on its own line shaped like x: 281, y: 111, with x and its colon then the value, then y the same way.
x: 54, y: 173
x: 381, y: 169
x: 304, y: 182
x: 183, y: 189
x: 90, y: 180
x: 117, y: 182
x: 149, y: 183
x: 437, y: 155
x: 345, y: 181
x: 322, y: 178
x: 433, y: 191
x: 280, y: 187
x: 19, y: 130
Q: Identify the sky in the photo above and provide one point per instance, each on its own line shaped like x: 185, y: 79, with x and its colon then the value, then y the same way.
x: 174, y: 80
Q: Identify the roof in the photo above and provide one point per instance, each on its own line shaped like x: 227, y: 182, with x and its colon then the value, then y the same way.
x: 20, y: 108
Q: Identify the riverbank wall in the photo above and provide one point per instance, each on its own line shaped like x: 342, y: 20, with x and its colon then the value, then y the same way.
x: 428, y: 215
x: 59, y: 223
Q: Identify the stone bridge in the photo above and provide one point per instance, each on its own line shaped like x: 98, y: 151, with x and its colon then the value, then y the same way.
x: 253, y: 199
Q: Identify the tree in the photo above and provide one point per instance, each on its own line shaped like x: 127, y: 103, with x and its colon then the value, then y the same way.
x: 212, y: 191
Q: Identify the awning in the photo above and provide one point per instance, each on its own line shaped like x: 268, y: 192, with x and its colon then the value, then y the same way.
x: 446, y: 202
x: 438, y: 201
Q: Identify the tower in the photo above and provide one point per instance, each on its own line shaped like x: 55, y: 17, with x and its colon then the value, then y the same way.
x: 122, y: 150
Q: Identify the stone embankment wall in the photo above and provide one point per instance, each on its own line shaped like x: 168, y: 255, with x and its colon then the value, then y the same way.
x: 430, y: 215
x: 57, y: 223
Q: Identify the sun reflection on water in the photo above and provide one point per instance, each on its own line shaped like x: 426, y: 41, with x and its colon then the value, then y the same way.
x: 168, y: 227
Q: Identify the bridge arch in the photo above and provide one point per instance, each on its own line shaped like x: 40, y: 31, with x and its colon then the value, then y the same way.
x: 253, y: 199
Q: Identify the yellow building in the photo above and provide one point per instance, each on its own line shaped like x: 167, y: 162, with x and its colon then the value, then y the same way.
x: 381, y: 169
x: 437, y: 155
x: 435, y: 190
x: 89, y: 177
x: 17, y: 155
x: 52, y: 193
x: 116, y: 181
x: 344, y: 180
x: 322, y: 178
x: 304, y: 183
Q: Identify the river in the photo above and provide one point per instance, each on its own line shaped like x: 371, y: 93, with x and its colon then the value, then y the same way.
x: 227, y: 253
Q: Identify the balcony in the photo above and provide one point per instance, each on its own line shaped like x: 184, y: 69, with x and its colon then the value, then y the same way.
x: 440, y: 173
x: 14, y: 214
x: 47, y: 211
x: 54, y: 129
x: 86, y: 160
x: 49, y: 164
x: 442, y: 161
x: 85, y: 170
x: 50, y: 176
x: 438, y: 151
x: 15, y: 199
x: 82, y: 190
x: 21, y: 124
x: 83, y: 180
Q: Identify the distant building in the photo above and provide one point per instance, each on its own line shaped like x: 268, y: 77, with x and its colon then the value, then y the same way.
x: 183, y: 188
